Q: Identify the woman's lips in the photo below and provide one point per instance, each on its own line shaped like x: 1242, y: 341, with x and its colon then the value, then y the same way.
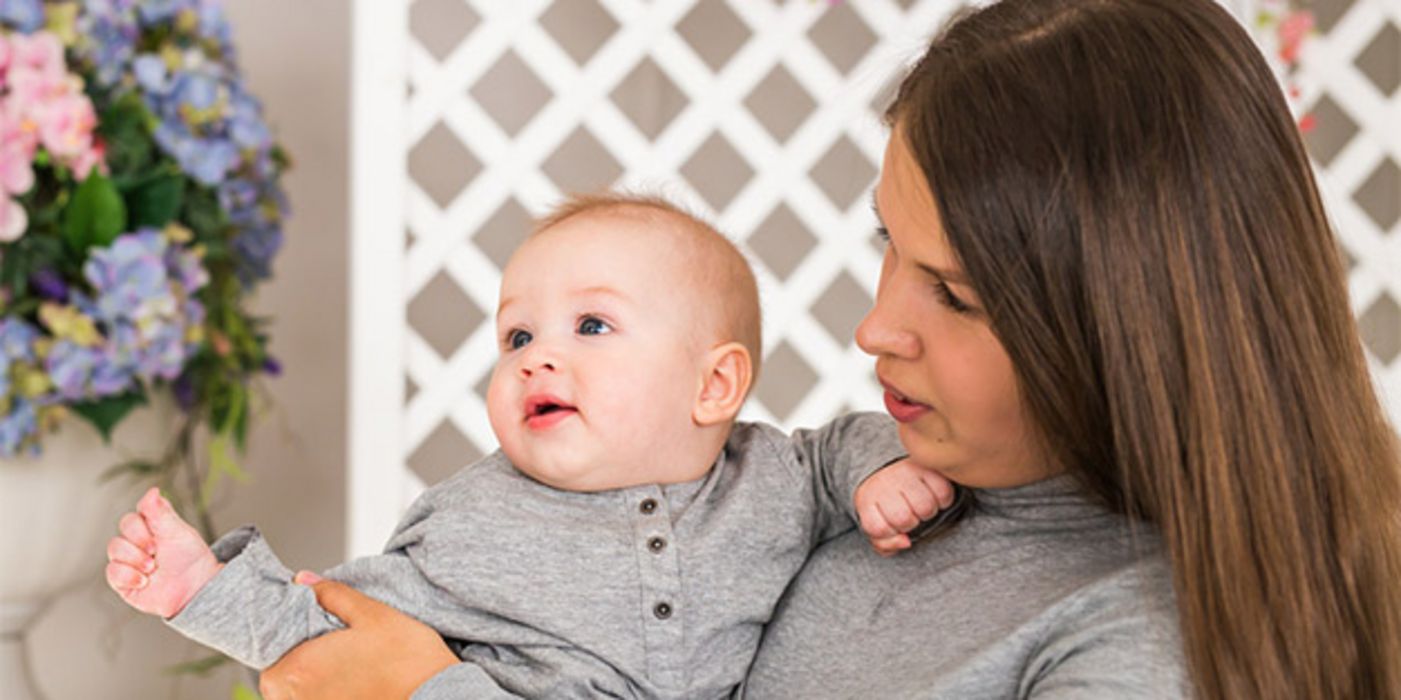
x: 901, y: 408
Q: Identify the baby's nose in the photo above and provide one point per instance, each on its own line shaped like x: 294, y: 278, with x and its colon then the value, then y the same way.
x: 538, y: 362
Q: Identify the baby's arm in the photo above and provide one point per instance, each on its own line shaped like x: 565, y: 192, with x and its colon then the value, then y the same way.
x: 896, y: 499
x: 248, y: 607
x: 158, y: 562
x: 837, y: 458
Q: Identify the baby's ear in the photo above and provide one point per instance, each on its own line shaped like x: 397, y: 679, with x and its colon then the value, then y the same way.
x: 728, y: 371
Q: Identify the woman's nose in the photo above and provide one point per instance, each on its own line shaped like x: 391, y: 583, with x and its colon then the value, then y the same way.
x: 882, y: 333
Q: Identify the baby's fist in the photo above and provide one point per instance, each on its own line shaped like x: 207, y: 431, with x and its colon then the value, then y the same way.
x: 158, y: 562
x: 896, y: 499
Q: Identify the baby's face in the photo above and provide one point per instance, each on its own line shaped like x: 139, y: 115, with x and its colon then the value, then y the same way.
x: 600, y: 367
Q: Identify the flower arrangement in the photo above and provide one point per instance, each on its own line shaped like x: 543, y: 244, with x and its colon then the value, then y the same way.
x: 140, y: 204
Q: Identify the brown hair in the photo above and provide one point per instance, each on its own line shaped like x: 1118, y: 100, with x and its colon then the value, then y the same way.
x: 1125, y: 187
x: 718, y: 267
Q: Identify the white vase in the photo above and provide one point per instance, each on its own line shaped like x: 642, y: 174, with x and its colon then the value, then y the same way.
x: 56, y: 517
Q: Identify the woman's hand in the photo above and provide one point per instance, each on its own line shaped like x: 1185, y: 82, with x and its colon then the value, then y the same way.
x: 382, y: 653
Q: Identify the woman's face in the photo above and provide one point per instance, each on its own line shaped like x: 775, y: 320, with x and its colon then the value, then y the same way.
x: 948, y: 380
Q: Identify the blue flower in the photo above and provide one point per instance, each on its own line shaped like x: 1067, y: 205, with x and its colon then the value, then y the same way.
x: 157, y: 11
x: 70, y: 367
x: 130, y: 277
x: 150, y: 73
x: 196, y: 90
x: 246, y: 123
x: 24, y: 15
x: 107, y: 33
x: 17, y: 426
x: 17, y: 339
x: 213, y: 25
x: 256, y: 247
x: 110, y: 378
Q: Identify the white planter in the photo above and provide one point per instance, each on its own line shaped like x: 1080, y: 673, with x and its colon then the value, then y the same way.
x: 56, y: 518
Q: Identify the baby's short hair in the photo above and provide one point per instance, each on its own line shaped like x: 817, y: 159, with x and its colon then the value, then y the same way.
x: 718, y: 265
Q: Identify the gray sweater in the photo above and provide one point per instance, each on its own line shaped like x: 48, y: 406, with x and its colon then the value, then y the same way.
x: 1038, y: 594
x: 645, y: 592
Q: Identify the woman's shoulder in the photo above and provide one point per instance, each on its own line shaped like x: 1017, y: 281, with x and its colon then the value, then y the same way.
x: 994, y: 609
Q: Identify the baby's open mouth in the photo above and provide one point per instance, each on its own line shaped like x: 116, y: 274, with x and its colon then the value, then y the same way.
x: 546, y: 410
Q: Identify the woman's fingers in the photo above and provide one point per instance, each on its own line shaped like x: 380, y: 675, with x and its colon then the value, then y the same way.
x: 351, y: 606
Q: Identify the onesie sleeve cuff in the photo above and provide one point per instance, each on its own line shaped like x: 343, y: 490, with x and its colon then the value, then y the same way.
x: 463, y: 680
x: 249, y: 563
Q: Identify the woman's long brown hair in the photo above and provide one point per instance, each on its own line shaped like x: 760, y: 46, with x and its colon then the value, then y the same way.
x: 1125, y: 187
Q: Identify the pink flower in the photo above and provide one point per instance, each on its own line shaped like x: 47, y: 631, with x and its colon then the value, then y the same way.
x: 16, y: 174
x: 66, y: 124
x: 40, y: 51
x: 4, y: 56
x: 13, y: 220
x: 87, y: 160
x: 1292, y: 32
x: 42, y: 104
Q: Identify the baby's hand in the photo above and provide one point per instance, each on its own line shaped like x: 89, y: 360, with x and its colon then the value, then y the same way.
x: 894, y: 500
x: 159, y: 562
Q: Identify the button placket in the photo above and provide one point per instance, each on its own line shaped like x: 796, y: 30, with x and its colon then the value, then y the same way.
x: 659, y: 572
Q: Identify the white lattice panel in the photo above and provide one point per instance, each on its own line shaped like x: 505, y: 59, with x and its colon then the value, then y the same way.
x: 760, y: 115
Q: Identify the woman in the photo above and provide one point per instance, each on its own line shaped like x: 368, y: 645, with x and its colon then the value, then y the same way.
x: 1111, y: 306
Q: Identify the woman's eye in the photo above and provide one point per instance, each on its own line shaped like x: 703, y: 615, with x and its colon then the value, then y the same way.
x: 947, y: 298
x: 590, y: 325
x: 517, y: 339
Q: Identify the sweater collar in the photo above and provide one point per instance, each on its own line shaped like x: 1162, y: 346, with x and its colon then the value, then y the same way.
x: 1059, y: 497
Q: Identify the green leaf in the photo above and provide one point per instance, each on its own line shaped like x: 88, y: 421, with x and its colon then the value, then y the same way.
x: 105, y: 414
x: 198, y: 667
x: 135, y: 469
x: 156, y: 202
x: 204, y: 215
x: 95, y: 217
x: 124, y: 128
x: 243, y: 692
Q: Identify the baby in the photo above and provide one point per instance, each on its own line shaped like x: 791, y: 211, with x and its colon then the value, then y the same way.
x: 630, y: 538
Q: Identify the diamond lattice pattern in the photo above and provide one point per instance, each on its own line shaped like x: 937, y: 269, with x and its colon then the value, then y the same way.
x: 764, y: 117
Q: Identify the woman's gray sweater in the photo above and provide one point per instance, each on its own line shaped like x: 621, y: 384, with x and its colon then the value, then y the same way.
x: 1039, y: 593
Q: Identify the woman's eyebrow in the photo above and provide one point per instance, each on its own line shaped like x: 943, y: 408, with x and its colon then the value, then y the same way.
x: 953, y: 276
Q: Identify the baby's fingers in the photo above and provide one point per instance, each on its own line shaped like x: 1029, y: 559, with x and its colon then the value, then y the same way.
x: 122, y: 551
x: 873, y: 522
x: 124, y: 579
x: 133, y: 528
x: 888, y: 546
x: 899, y: 515
x: 942, y: 488
x: 921, y: 502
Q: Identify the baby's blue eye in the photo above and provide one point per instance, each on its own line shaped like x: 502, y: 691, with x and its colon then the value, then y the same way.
x: 591, y: 325
x: 517, y: 339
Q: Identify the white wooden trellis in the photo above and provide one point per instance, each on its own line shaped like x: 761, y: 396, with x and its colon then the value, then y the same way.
x: 387, y: 424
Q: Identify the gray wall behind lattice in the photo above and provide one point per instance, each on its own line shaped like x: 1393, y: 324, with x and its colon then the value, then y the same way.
x: 762, y: 117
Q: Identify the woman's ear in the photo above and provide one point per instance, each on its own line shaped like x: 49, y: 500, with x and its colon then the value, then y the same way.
x: 728, y: 372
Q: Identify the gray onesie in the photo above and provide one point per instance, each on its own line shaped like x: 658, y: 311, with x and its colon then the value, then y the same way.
x: 648, y: 592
